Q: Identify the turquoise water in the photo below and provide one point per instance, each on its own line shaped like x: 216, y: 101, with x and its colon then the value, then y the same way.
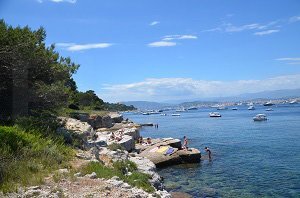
x: 249, y: 159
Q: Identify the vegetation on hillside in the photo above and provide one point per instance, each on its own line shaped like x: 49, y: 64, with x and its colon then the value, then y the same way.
x: 36, y: 86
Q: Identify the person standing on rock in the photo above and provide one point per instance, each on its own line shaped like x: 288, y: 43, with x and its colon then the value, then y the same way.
x: 185, y: 143
x: 209, y: 152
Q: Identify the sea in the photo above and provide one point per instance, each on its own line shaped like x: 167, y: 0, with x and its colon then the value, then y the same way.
x: 249, y: 159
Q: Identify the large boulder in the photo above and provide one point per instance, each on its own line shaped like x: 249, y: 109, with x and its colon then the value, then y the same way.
x: 77, y: 126
x: 108, y: 156
x: 144, y: 165
x: 178, y: 155
x: 127, y: 142
x: 133, y: 132
x: 95, y: 121
x: 116, y: 117
x: 107, y: 122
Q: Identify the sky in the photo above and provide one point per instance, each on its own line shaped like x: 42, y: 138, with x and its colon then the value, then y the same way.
x: 158, y: 50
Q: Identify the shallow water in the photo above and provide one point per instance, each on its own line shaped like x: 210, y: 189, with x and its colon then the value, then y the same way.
x: 249, y: 159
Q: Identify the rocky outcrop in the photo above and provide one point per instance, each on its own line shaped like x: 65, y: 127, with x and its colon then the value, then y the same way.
x: 161, y: 159
x: 117, y: 118
x: 144, y: 165
x: 77, y: 126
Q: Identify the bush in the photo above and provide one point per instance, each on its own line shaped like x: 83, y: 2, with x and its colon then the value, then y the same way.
x: 27, y: 157
x: 120, y: 169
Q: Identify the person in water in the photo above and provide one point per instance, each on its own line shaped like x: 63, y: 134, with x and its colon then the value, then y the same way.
x: 185, y: 142
x: 208, y: 151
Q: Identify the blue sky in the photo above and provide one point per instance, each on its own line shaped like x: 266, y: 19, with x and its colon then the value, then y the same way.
x: 172, y: 49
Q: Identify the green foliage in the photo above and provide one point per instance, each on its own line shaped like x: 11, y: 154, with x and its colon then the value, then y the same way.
x: 114, y: 146
x: 120, y: 169
x: 27, y: 157
x: 31, y: 72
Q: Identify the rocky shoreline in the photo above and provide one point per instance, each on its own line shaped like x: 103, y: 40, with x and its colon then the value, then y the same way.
x: 96, y: 134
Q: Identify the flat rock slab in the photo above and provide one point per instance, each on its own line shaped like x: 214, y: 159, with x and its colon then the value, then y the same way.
x: 177, y: 157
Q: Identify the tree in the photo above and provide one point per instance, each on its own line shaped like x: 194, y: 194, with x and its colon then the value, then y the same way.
x: 33, y: 76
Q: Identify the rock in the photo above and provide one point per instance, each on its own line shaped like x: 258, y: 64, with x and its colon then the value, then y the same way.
x: 127, y: 142
x: 133, y: 132
x: 107, y: 122
x: 95, y: 121
x: 190, y: 156
x: 63, y: 171
x: 115, y: 178
x: 93, y: 175
x: 108, y: 156
x: 78, y: 174
x: 146, y: 166
x: 117, y: 118
x: 77, y: 126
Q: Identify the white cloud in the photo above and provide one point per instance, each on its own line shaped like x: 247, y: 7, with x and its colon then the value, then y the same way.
x: 288, y: 59
x: 294, y: 19
x: 159, y: 89
x: 179, y: 37
x: 162, y: 44
x: 262, y: 33
x: 58, y: 1
x: 82, y: 47
x: 231, y: 28
x: 154, y: 23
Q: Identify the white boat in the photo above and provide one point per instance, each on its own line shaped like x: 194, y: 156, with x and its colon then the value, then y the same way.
x: 146, y: 113
x: 269, y: 109
x: 234, y: 108
x: 175, y: 114
x: 214, y: 114
x: 163, y: 114
x: 180, y: 110
x: 192, y: 108
x: 221, y: 108
x: 260, y: 117
x: 293, y: 102
x: 251, y: 108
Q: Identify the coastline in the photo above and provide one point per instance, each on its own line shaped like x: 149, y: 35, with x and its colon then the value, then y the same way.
x: 95, y: 131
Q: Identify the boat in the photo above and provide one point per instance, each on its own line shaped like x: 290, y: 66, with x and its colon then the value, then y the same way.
x: 175, y: 114
x: 251, y: 108
x: 180, y: 110
x: 268, y: 103
x: 269, y: 109
x: 234, y: 108
x: 146, y: 113
x: 293, y: 102
x: 214, y: 114
x: 163, y: 114
x: 260, y: 117
x: 192, y: 108
x: 221, y: 108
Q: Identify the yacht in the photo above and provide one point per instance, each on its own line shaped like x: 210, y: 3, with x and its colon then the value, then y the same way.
x: 221, y: 108
x: 146, y: 113
x: 293, y: 102
x: 214, y: 114
x: 251, y: 107
x: 269, y: 109
x: 192, y: 108
x: 163, y: 114
x: 175, y: 114
x: 260, y: 117
x: 234, y: 108
x: 180, y: 110
x: 268, y: 103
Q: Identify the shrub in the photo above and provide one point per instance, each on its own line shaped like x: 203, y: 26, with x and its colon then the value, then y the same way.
x: 120, y: 169
x: 27, y: 157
